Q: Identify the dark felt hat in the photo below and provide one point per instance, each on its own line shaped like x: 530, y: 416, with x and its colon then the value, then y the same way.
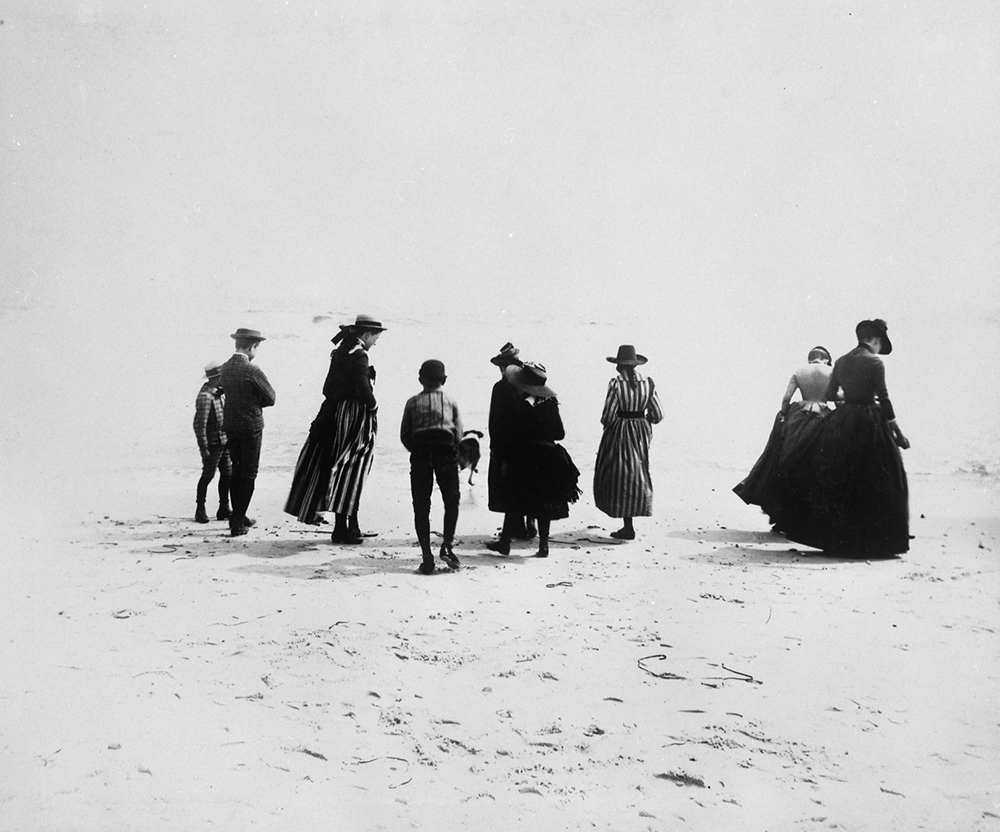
x: 874, y: 328
x: 247, y: 335
x: 627, y: 356
x: 530, y: 379
x: 432, y: 370
x: 508, y: 355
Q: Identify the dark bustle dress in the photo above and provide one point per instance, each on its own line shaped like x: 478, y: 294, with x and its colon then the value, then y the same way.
x: 849, y: 495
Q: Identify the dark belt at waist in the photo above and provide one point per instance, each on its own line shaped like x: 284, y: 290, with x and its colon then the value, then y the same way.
x: 858, y: 401
x: 631, y: 414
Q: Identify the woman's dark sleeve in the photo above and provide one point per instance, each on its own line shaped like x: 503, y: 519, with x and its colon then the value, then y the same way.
x: 330, y: 385
x: 878, y: 382
x: 832, y: 386
x: 503, y: 415
x: 551, y: 422
x: 361, y: 380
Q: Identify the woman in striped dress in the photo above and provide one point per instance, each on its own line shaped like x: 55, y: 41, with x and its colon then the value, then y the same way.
x: 337, y: 456
x: 622, y: 484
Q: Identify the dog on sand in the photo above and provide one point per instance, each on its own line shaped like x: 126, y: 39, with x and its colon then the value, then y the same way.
x: 468, y: 452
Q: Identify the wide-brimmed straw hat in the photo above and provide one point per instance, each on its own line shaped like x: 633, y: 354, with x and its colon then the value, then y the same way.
x: 365, y: 322
x: 873, y: 328
x: 627, y: 356
x: 530, y: 378
x: 243, y: 334
x: 213, y: 368
x: 508, y: 355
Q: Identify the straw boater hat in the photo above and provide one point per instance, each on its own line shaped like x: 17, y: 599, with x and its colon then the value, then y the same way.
x: 627, y: 356
x: 247, y: 335
x: 508, y: 355
x: 530, y: 379
x: 870, y: 329
x: 213, y: 368
x: 365, y: 322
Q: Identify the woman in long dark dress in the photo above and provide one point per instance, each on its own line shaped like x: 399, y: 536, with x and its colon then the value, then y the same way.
x: 504, y: 408
x: 795, y: 429
x: 623, y: 486
x: 849, y: 495
x: 541, y: 477
x: 337, y: 456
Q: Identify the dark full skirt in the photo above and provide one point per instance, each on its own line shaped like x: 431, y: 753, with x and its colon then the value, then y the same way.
x: 791, y: 440
x: 542, y: 481
x: 849, y: 495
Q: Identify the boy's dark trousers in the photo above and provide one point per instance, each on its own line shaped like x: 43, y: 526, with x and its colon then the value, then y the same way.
x: 217, y: 459
x: 427, y: 462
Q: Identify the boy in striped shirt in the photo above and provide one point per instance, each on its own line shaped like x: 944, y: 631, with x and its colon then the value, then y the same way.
x: 430, y: 431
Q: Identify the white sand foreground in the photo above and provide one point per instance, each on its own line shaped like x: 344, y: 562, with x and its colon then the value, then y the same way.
x: 157, y: 674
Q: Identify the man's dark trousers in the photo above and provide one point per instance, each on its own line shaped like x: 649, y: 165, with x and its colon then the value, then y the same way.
x: 244, y: 452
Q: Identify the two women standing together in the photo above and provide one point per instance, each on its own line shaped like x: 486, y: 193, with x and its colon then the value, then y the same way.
x: 833, y: 478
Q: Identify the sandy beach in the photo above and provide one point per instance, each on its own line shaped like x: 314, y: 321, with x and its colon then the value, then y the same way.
x: 159, y: 674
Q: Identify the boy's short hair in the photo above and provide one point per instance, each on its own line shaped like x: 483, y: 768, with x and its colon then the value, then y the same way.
x: 432, y: 370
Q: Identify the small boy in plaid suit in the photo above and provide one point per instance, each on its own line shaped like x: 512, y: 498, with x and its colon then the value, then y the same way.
x: 209, y: 409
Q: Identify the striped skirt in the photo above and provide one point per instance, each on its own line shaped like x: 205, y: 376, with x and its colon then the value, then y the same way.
x: 622, y: 484
x: 334, y: 463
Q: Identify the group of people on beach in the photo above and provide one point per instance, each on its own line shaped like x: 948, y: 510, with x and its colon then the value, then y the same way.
x: 831, y: 475
x: 532, y: 480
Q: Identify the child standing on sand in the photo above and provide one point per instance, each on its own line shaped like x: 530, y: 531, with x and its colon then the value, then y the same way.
x: 209, y: 409
x: 430, y: 431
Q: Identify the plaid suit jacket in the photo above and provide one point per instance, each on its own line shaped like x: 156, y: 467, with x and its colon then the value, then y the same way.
x: 247, y: 392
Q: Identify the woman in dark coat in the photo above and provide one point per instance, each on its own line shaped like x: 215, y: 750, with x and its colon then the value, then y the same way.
x: 337, y: 456
x: 504, y: 406
x: 849, y: 495
x: 794, y: 433
x: 541, y: 479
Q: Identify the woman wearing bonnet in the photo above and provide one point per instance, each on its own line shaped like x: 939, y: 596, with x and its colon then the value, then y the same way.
x: 623, y: 486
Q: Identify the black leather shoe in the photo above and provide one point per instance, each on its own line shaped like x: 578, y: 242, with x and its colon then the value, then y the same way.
x: 501, y: 546
x: 199, y: 515
x: 237, y: 531
x: 448, y: 556
x: 223, y: 513
x: 249, y: 522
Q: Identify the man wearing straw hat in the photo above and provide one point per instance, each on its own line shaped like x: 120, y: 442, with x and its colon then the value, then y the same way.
x: 247, y: 392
